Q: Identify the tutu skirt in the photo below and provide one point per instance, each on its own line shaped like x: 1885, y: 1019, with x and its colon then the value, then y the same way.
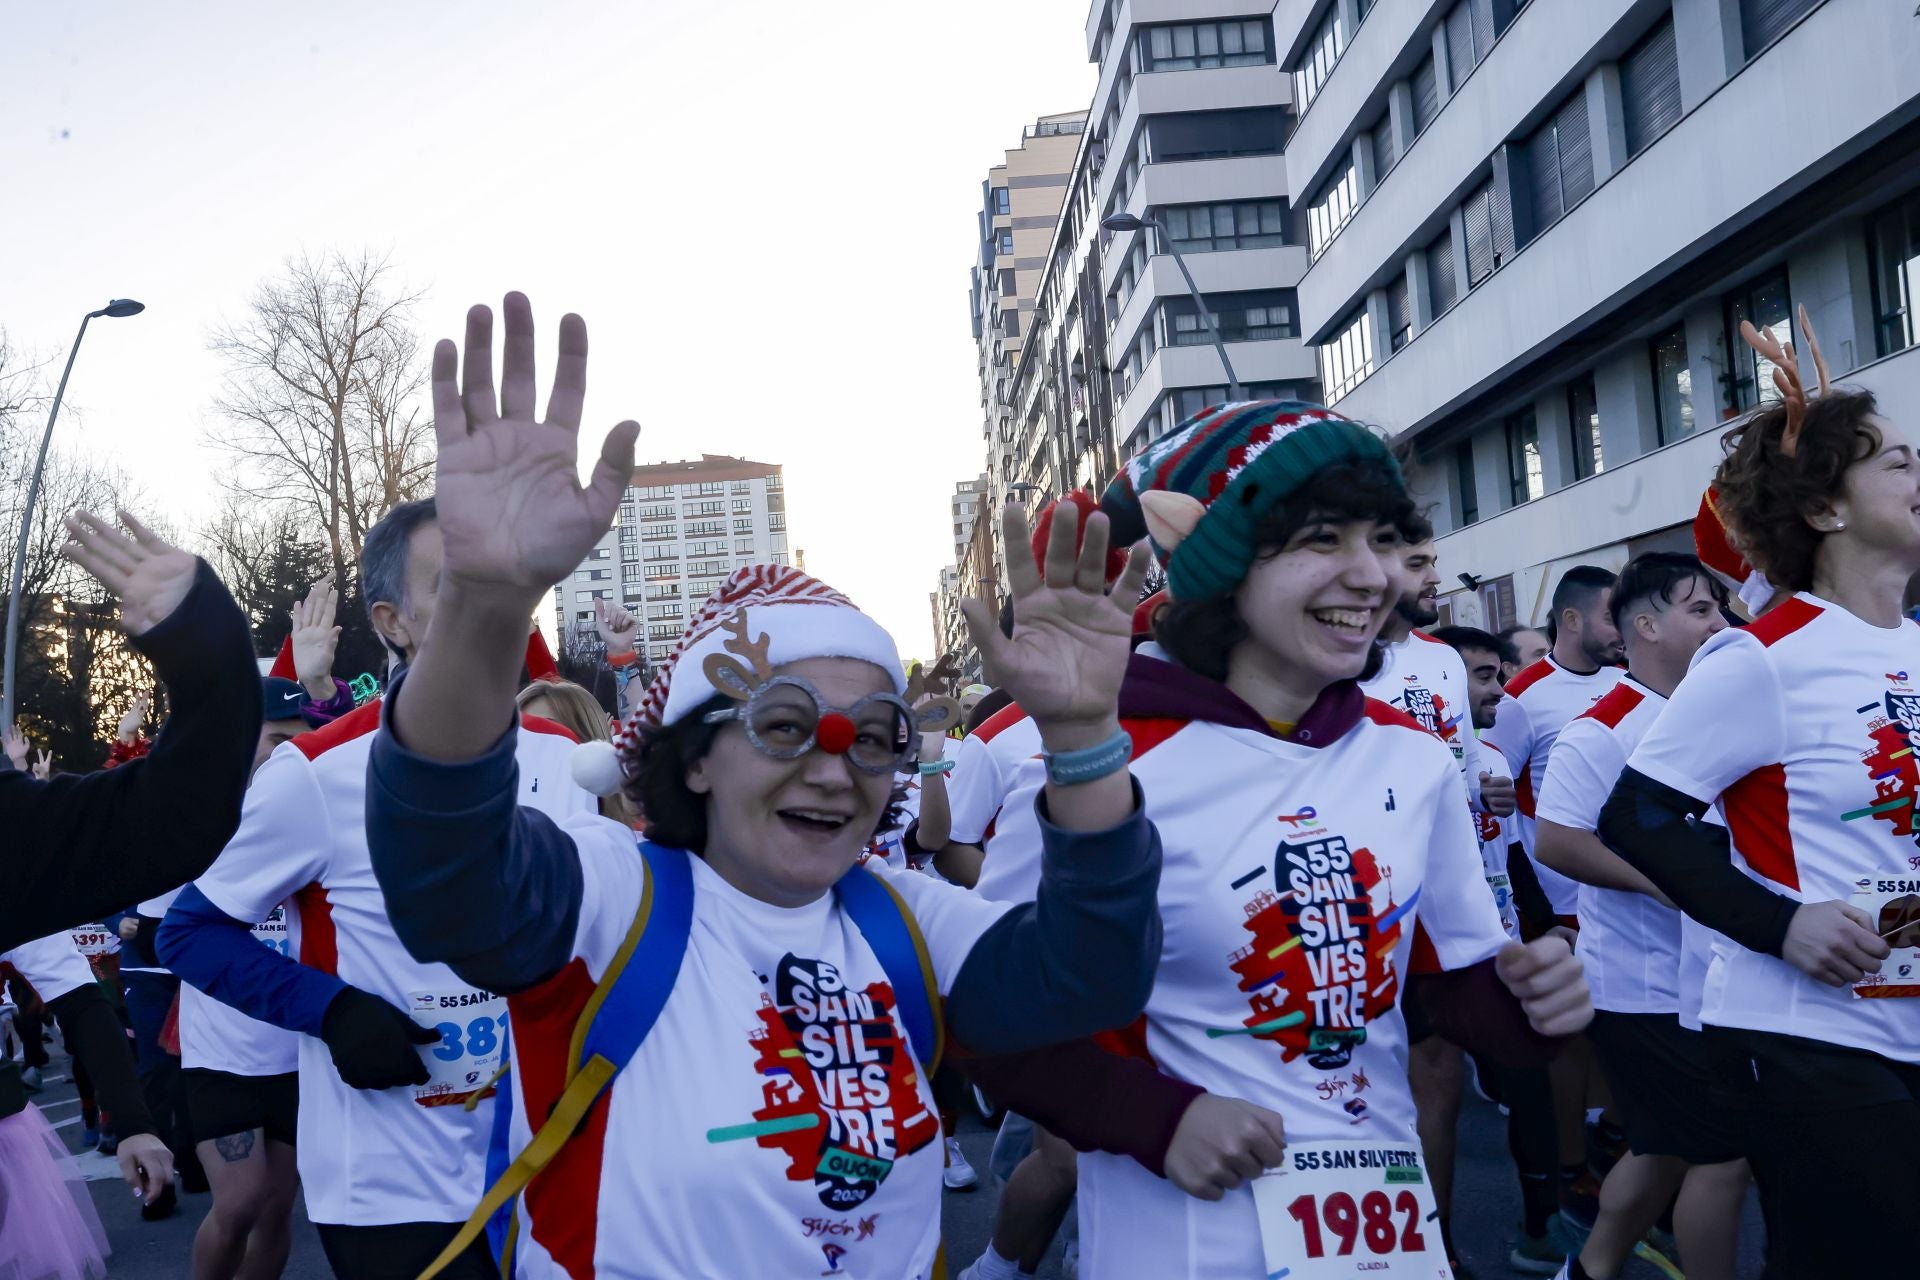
x: 48, y: 1228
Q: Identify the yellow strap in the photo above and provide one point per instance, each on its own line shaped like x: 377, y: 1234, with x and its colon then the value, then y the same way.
x: 566, y: 1117
x: 935, y: 1004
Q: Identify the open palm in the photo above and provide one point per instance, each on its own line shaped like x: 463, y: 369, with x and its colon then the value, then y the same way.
x: 511, y: 511
x: 1071, y: 637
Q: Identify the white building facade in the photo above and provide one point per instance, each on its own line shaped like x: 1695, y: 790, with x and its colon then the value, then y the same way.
x: 683, y: 527
x: 1534, y: 229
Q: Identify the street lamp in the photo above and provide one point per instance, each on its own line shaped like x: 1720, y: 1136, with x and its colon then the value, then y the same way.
x: 1130, y: 222
x: 117, y: 308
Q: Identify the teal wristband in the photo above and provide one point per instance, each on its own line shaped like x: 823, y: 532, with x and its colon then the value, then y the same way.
x: 1070, y: 768
x: 930, y: 767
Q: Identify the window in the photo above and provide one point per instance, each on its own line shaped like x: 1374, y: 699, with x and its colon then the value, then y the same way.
x: 1650, y: 87
x: 1672, y: 385
x: 600, y: 553
x: 1442, y: 287
x: 1489, y: 222
x: 776, y: 523
x: 1399, y: 313
x: 1764, y: 21
x: 1213, y: 135
x: 740, y: 505
x: 655, y: 572
x: 663, y: 511
x: 1001, y: 205
x: 661, y: 553
x: 705, y: 508
x: 1465, y: 481
x: 1469, y: 37
x: 1526, y: 476
x: 705, y: 489
x: 1426, y: 95
x: 663, y: 631
x: 1205, y: 228
x: 1559, y: 159
x: 652, y: 491
x: 1329, y: 211
x: 1009, y: 287
x: 742, y: 526
x: 1192, y: 45
x: 1765, y: 302
x: 708, y: 568
x: 1006, y: 242
x: 1348, y: 358
x: 711, y: 547
x: 629, y: 573
x: 1324, y: 47
x: 1242, y: 317
x: 780, y: 557
x: 705, y: 528
x: 740, y: 486
x: 659, y: 611
x: 1893, y: 244
x: 1381, y: 139
x: 774, y: 484
x: 659, y: 652
x: 665, y: 591
x: 1583, y: 415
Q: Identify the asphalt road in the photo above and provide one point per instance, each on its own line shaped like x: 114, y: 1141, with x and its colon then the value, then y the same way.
x: 1486, y: 1205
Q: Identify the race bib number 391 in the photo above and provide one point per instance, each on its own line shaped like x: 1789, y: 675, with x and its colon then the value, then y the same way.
x: 1344, y: 1209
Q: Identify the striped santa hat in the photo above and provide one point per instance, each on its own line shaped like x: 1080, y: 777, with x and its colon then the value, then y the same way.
x: 1714, y: 545
x: 801, y: 617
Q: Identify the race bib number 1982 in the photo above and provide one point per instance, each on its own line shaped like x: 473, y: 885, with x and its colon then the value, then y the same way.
x: 1347, y: 1209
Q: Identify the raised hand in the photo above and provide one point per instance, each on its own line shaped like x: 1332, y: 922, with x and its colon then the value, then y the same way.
x: 16, y: 745
x: 133, y: 717
x: 43, y: 765
x: 315, y: 638
x: 511, y: 513
x: 150, y: 576
x: 1071, y: 636
x: 618, y: 628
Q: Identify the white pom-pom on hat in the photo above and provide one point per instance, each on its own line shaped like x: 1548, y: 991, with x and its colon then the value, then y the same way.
x: 595, y: 768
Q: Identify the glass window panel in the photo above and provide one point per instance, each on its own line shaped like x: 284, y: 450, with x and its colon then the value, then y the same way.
x: 1230, y: 38
x: 1183, y: 42
x: 1160, y: 42
x: 1207, y: 40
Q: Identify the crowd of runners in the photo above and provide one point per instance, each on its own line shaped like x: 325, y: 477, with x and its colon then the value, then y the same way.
x: 1228, y: 893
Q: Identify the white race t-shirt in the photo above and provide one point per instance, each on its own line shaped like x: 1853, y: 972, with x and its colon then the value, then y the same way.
x: 1427, y: 679
x: 218, y: 1037
x: 1290, y: 881
x: 778, y: 1014
x: 1629, y: 942
x: 373, y: 1157
x: 1800, y: 727
x: 1548, y: 697
x: 1495, y: 836
x: 984, y: 769
x: 53, y: 965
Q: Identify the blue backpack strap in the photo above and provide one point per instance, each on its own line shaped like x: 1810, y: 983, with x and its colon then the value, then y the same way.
x: 888, y: 926
x: 623, y: 1007
x: 621, y: 1013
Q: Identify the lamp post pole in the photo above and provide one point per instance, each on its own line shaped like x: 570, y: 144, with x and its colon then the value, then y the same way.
x: 118, y: 307
x: 1130, y: 222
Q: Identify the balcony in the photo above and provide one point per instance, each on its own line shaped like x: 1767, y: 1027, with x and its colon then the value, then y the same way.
x: 1356, y: 92
x: 1234, y: 269
x: 1281, y: 360
x: 1689, y: 190
x: 1528, y: 69
x: 1164, y: 92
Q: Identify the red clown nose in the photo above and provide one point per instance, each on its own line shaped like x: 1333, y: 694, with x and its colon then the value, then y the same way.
x: 835, y: 734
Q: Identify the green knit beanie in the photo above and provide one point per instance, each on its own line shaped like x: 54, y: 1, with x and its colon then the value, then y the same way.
x: 1237, y: 461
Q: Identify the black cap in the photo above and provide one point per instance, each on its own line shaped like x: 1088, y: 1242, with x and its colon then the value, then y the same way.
x: 280, y: 699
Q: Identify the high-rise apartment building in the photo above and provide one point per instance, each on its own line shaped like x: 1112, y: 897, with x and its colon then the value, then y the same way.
x: 683, y: 527
x: 1536, y: 226
x: 968, y: 501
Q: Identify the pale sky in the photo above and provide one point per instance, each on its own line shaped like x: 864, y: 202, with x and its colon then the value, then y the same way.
x: 764, y: 210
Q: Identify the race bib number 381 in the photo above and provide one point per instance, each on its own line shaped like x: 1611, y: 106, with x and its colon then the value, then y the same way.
x: 1343, y: 1209
x: 472, y: 1045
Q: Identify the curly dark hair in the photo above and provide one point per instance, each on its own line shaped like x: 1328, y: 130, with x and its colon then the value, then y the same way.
x: 1200, y: 634
x: 677, y: 816
x: 1765, y: 496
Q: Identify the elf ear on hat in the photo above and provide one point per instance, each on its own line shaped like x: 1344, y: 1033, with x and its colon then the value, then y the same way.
x: 1201, y: 490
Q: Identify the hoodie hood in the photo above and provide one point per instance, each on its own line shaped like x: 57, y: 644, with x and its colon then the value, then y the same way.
x: 1159, y: 689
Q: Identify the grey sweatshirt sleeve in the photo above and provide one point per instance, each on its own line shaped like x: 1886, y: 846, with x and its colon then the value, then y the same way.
x: 1081, y: 957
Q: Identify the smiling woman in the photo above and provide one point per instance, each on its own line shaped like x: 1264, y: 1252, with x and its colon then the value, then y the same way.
x: 736, y: 1024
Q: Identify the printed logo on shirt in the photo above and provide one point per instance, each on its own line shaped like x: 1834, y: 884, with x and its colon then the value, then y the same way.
x: 1894, y: 732
x: 1430, y: 710
x: 837, y: 1228
x: 1320, y: 965
x: 840, y: 1090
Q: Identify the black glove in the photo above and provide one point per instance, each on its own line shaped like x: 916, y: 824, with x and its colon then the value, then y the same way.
x: 373, y: 1043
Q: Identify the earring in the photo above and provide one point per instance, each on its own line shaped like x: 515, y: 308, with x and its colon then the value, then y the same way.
x: 1838, y: 525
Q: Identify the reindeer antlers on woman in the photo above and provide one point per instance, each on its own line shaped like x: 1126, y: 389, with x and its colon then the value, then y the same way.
x: 1786, y: 374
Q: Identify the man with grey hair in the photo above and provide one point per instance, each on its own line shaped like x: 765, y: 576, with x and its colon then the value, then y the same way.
x: 390, y: 1159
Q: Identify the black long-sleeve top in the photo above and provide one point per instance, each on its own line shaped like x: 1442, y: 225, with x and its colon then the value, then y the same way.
x: 78, y: 846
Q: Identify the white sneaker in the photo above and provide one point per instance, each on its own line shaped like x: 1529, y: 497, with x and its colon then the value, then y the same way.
x: 30, y: 1078
x: 959, y: 1175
